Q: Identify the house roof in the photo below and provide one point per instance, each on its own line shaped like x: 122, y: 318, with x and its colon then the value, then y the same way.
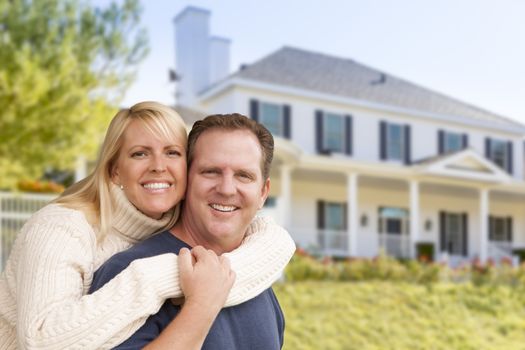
x: 189, y: 115
x: 322, y: 73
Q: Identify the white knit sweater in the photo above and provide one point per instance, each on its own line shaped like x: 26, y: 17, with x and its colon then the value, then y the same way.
x: 43, y: 301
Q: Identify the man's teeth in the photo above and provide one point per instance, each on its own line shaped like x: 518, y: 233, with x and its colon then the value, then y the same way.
x: 225, y: 208
x: 156, y: 185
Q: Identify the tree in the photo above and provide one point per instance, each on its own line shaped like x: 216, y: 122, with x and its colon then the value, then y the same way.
x: 64, y: 67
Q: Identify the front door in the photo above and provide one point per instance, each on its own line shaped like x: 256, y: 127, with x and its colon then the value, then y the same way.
x: 393, y: 231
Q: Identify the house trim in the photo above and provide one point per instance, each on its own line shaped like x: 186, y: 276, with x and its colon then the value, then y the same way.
x: 491, y: 125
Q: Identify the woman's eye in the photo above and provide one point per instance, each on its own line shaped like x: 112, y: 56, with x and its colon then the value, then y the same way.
x: 174, y: 153
x: 138, y: 154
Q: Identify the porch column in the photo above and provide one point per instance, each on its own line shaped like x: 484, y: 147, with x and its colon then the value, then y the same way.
x: 483, y: 232
x: 352, y: 213
x: 286, y: 196
x: 414, y: 217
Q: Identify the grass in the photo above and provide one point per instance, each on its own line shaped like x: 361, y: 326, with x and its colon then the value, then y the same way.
x: 401, y: 315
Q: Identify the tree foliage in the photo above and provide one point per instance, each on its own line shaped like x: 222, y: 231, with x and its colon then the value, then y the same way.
x: 64, y: 67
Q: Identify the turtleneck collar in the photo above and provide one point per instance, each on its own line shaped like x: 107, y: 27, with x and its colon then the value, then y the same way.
x: 132, y: 223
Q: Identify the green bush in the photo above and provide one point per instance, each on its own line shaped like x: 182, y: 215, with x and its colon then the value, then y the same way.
x: 304, y: 267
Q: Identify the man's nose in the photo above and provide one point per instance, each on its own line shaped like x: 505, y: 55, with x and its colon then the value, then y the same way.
x: 226, y: 185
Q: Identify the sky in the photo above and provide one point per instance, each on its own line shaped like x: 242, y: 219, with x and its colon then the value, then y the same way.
x: 472, y: 50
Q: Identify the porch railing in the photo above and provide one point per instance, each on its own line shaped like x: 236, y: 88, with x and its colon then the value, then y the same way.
x: 15, y: 209
x: 395, y: 245
x: 323, y: 242
x: 499, y: 250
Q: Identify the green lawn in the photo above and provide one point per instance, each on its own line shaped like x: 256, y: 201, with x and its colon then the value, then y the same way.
x: 398, y: 315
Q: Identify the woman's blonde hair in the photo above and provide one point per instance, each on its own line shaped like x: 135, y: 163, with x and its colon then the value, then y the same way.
x: 92, y: 194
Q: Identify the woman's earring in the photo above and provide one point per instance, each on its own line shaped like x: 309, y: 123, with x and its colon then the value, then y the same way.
x: 121, y: 187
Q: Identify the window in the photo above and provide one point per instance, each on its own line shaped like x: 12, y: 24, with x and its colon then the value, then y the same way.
x: 331, y: 222
x: 334, y: 133
x: 500, y: 229
x: 271, y: 117
x: 452, y: 142
x: 334, y: 216
x: 453, y: 235
x: 275, y: 117
x: 270, y: 202
x: 395, y: 142
x: 500, y: 152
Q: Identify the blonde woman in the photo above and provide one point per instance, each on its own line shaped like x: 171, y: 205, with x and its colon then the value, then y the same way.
x: 43, y: 301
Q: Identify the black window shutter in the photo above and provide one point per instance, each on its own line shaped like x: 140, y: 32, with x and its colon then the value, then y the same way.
x: 254, y: 110
x: 465, y: 233
x: 487, y: 148
x: 320, y: 214
x: 287, y: 121
x: 319, y: 131
x: 509, y: 157
x: 441, y: 142
x: 382, y: 140
x: 408, y: 146
x: 465, y: 141
x: 442, y: 233
x: 509, y: 228
x: 491, y: 228
x: 345, y: 216
x: 348, y: 134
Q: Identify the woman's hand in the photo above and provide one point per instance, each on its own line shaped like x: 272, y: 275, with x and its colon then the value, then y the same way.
x: 205, y: 278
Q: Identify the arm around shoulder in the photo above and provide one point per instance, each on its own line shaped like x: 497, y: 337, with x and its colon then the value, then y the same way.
x: 260, y: 260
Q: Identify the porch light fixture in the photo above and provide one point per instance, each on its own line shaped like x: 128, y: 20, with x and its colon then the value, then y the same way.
x: 428, y: 225
x: 364, y: 220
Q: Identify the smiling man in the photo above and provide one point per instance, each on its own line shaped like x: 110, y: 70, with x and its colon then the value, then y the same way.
x: 229, y: 159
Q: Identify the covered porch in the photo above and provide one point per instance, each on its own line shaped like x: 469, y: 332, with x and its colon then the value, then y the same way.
x: 458, y: 207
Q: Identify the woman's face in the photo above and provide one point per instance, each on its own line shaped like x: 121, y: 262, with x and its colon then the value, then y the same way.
x: 152, y: 171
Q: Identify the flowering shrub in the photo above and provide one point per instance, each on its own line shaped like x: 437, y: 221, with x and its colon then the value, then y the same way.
x: 304, y: 267
x: 39, y: 186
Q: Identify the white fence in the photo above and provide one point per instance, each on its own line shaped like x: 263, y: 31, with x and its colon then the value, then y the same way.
x: 15, y: 209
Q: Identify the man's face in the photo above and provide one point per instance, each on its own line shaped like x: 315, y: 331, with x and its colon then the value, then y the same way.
x: 225, y: 188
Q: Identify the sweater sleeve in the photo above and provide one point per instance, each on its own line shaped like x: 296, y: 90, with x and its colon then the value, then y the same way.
x: 260, y: 260
x: 53, y: 313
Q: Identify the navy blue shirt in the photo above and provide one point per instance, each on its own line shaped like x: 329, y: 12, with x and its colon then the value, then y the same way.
x: 257, y: 324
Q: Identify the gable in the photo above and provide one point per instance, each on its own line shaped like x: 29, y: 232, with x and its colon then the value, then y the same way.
x: 465, y: 164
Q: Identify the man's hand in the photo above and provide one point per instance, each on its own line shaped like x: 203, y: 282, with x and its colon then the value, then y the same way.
x: 205, y: 278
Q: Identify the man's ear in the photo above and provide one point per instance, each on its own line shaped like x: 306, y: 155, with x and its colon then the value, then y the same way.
x: 265, y: 191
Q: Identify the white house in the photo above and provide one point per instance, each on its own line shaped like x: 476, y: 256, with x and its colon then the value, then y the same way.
x: 364, y: 160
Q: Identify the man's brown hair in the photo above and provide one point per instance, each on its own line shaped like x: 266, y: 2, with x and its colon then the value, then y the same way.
x: 234, y: 121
